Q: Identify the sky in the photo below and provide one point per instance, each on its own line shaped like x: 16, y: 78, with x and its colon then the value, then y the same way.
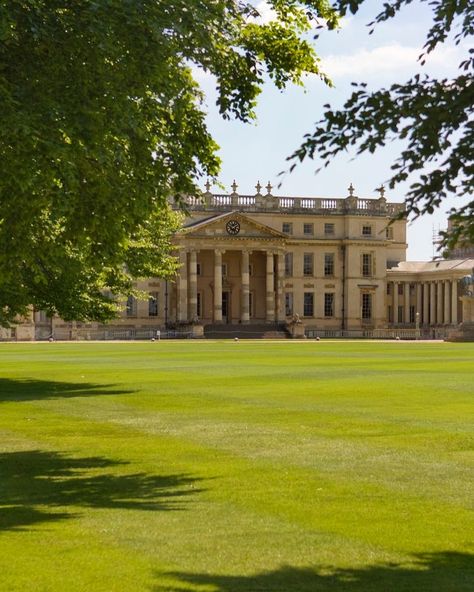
x: 258, y: 151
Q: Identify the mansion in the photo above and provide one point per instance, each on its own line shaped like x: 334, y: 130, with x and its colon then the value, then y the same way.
x: 308, y: 266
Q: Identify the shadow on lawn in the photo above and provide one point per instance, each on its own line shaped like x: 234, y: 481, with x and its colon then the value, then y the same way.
x: 430, y: 572
x: 35, y: 390
x: 38, y: 486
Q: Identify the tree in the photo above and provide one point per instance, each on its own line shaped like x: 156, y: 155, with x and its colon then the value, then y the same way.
x: 433, y: 116
x: 102, y: 123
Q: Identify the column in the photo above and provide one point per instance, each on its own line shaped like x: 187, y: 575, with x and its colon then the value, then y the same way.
x: 270, y: 288
x: 245, y: 302
x: 281, y: 315
x: 439, y: 302
x: 426, y: 303
x: 432, y: 303
x: 395, y: 303
x: 447, y: 303
x: 454, y: 302
x: 193, y: 285
x: 217, y: 286
x: 406, y: 292
x: 418, y: 307
x: 183, y: 287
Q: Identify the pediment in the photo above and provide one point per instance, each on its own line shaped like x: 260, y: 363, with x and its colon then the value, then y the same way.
x: 218, y: 227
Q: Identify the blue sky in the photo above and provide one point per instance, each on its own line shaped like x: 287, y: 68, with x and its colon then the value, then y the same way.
x: 258, y: 151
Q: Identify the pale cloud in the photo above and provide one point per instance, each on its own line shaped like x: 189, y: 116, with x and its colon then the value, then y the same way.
x: 387, y: 59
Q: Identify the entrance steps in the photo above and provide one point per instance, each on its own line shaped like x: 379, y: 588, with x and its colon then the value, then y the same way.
x: 253, y: 331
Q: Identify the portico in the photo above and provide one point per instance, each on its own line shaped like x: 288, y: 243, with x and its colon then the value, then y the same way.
x: 231, y: 284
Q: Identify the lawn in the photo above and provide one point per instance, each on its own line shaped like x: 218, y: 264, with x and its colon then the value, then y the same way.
x: 237, y: 467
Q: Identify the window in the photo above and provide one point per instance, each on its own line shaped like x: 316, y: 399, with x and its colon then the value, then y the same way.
x: 328, y: 264
x: 308, y: 264
x: 199, y: 305
x: 250, y: 268
x: 389, y: 288
x: 367, y: 230
x: 366, y: 265
x: 287, y: 227
x: 329, y: 229
x: 198, y: 269
x: 400, y: 289
x: 390, y: 314
x: 131, y: 308
x: 251, y: 304
x: 329, y: 305
x: 389, y: 233
x: 288, y: 264
x: 308, y: 304
x: 224, y: 269
x: 366, y: 306
x: 153, y: 304
x: 308, y: 229
x: 412, y: 314
x: 412, y: 289
x: 289, y: 304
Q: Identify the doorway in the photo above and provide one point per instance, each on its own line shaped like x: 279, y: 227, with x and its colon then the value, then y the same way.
x: 225, y: 307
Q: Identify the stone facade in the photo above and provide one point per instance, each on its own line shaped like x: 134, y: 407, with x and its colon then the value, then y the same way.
x: 332, y: 264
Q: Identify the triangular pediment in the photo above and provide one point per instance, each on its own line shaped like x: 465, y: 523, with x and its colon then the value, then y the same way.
x: 231, y: 225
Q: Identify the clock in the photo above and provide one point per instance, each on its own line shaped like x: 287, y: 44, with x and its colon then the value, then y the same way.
x: 232, y: 227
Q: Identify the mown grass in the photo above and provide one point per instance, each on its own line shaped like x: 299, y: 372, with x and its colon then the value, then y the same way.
x: 236, y: 467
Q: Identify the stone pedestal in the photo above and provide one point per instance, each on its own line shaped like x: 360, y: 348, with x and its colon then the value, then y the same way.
x: 296, y: 329
x: 197, y: 331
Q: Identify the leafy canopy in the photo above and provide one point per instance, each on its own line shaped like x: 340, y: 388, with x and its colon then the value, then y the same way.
x: 433, y: 116
x: 102, y: 124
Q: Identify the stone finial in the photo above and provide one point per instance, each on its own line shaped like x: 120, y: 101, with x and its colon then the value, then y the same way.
x: 381, y: 190
x: 207, y: 186
x: 258, y: 187
x: 351, y: 190
x: 269, y: 188
x: 234, y: 187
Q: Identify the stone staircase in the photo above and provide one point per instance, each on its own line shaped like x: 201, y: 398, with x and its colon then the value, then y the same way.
x: 256, y: 331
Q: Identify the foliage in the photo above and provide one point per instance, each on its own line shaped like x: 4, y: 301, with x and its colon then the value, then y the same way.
x: 102, y: 124
x: 433, y: 116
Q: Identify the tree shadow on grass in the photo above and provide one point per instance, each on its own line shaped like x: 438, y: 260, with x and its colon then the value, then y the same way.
x: 431, y: 572
x: 35, y: 390
x: 38, y: 486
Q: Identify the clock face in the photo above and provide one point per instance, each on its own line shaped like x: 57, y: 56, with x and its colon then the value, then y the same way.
x: 232, y: 227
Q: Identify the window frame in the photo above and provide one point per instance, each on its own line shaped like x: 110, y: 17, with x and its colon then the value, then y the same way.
x: 308, y: 264
x: 329, y: 229
x: 308, y: 304
x: 289, y: 304
x: 153, y: 304
x: 289, y: 264
x: 329, y: 259
x: 366, y: 306
x: 367, y: 265
x: 131, y: 307
x: 329, y: 300
x: 367, y: 230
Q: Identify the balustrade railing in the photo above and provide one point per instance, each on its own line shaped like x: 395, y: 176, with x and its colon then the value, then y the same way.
x: 270, y: 203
